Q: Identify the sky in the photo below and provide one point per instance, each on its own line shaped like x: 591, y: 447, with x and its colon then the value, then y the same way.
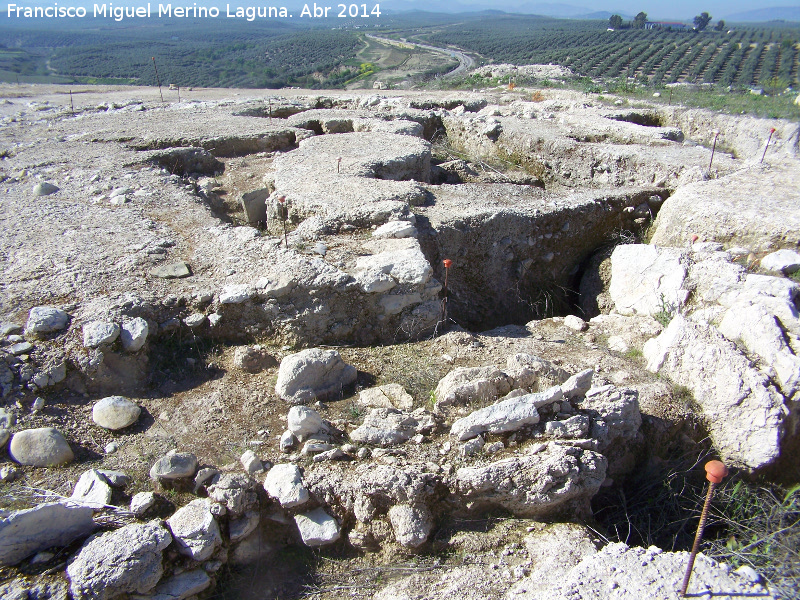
x: 654, y: 8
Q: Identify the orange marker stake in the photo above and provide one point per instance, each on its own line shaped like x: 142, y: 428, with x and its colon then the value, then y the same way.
x: 769, y: 139
x: 715, y: 473
x: 447, y: 264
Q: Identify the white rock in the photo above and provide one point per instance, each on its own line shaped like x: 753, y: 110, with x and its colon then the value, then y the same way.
x: 472, y: 447
x: 412, y: 524
x: 142, y: 502
x: 389, y: 426
x: 45, y: 319
x: 25, y: 532
x: 518, y: 484
x: 745, y: 413
x: 317, y: 528
x: 304, y: 422
x: 762, y: 335
x: 44, y: 188
x: 43, y: 447
x: 407, y: 266
x: 313, y: 374
x: 646, y: 278
x: 332, y: 454
x: 288, y: 441
x: 782, y: 261
x: 391, y: 395
x: 375, y: 282
x: 465, y: 385
x: 577, y: 385
x: 575, y: 323
x: 285, y: 483
x: 134, y: 334
x: 92, y: 490
x: 235, y: 294
x: 315, y: 447
x: 395, y: 229
x: 195, y: 530
x: 127, y: 560
x: 98, y: 333
x: 181, y: 586
x: 251, y: 463
x: 195, y: 320
x: 618, y: 344
x: 115, y: 412
x: 175, y: 465
x: 505, y: 416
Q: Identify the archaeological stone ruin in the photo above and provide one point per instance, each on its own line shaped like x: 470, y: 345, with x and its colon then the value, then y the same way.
x: 408, y: 333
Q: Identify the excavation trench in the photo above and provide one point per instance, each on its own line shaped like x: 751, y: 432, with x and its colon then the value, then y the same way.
x: 518, y: 252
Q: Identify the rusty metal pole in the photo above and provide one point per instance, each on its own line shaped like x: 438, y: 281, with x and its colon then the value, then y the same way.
x: 71, y: 105
x: 713, y: 148
x: 715, y: 472
x: 447, y: 264
x: 158, y: 80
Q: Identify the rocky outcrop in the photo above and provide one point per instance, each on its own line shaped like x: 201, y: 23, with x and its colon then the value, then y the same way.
x: 752, y: 208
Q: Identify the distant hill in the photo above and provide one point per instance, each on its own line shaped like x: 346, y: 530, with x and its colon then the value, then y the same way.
x: 775, y: 13
x: 546, y: 9
x: 604, y: 15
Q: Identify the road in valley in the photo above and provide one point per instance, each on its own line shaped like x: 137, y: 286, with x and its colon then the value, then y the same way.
x: 464, y: 62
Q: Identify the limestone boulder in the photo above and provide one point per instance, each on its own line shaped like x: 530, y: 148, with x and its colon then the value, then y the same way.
x: 782, y: 261
x: 92, y: 490
x: 465, y: 385
x: 724, y: 210
x: 181, y: 586
x: 550, y: 480
x: 646, y: 279
x: 99, y: 333
x: 235, y: 491
x: 645, y: 573
x: 285, y: 484
x: 25, y: 532
x: 533, y: 372
x: 195, y: 530
x: 42, y: 447
x: 133, y: 334
x: 46, y: 319
x: 304, y: 422
x: 745, y: 413
x: 412, y: 524
x: 175, y: 465
x: 505, y: 416
x: 389, y: 426
x: 115, y: 412
x: 317, y: 528
x: 124, y: 561
x: 391, y: 395
x: 313, y: 374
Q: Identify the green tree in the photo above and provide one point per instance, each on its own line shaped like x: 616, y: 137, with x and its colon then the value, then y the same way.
x: 639, y: 20
x: 615, y: 22
x: 701, y: 21
x: 720, y: 26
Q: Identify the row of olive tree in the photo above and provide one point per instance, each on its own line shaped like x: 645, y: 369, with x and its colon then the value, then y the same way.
x: 701, y: 21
